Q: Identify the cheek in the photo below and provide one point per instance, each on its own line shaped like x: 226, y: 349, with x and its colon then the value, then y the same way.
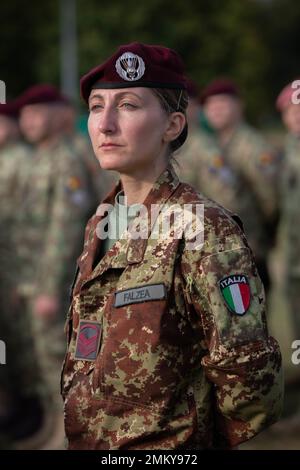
x: 222, y: 115
x: 42, y: 121
x: 212, y: 112
x: 22, y: 123
x: 290, y: 121
x: 146, y: 131
x: 39, y: 123
x: 297, y: 117
x: 92, y: 127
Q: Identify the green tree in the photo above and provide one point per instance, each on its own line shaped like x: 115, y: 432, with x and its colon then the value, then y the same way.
x: 214, y: 38
x: 253, y: 41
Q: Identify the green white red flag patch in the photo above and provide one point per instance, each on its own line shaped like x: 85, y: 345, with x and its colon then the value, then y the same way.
x: 236, y: 293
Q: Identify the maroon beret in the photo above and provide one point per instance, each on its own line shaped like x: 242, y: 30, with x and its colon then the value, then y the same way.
x: 192, y: 88
x: 39, y: 94
x: 136, y: 65
x: 9, y: 109
x: 221, y: 86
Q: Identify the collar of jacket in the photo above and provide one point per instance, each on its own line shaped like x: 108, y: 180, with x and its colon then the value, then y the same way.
x: 128, y: 250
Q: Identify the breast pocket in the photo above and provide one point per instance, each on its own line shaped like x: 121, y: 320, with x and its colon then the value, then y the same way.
x: 141, y: 359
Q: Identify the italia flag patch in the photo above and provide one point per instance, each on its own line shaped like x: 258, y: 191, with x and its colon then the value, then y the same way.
x: 235, y: 291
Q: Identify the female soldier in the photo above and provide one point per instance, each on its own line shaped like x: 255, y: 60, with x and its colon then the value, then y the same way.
x: 168, y: 346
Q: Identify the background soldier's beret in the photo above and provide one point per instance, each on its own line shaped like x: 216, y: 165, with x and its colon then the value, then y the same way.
x: 9, y: 110
x: 221, y: 86
x: 136, y: 65
x: 284, y: 98
x: 192, y: 88
x: 40, y: 94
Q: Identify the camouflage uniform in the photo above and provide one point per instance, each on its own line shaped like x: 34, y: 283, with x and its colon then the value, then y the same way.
x: 178, y: 371
x: 199, y: 148
x: 241, y: 177
x: 15, y: 159
x: 290, y: 227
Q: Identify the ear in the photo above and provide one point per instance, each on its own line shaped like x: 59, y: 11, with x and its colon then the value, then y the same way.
x: 175, y: 126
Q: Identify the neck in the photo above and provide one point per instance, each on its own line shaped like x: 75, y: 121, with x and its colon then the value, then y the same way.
x: 137, y: 186
x: 226, y: 133
x: 48, y: 142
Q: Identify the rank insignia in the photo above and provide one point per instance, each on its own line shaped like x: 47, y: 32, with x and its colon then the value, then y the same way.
x: 88, y: 339
x: 236, y: 293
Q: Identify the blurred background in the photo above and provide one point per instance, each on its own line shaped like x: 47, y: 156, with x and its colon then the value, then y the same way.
x: 254, y: 42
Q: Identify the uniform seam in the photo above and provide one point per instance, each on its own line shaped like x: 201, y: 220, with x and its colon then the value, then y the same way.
x: 110, y: 399
x: 224, y: 251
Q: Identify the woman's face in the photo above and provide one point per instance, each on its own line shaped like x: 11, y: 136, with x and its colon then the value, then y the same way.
x: 129, y: 129
x: 35, y: 122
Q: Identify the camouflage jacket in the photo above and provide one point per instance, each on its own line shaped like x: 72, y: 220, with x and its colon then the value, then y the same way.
x: 241, y: 177
x: 290, y: 197
x: 14, y: 159
x: 155, y: 358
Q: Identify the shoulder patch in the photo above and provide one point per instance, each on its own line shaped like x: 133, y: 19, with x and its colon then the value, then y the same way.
x: 235, y: 290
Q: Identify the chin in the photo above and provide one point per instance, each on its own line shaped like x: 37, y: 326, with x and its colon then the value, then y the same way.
x: 32, y: 139
x: 111, y: 162
x: 108, y: 164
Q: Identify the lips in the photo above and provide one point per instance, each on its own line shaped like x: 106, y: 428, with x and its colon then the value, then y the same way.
x: 109, y: 145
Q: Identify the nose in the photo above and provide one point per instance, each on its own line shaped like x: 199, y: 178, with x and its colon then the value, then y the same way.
x: 108, y: 121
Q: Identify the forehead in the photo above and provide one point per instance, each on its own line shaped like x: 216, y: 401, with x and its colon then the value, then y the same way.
x: 40, y: 108
x: 221, y: 98
x: 139, y: 92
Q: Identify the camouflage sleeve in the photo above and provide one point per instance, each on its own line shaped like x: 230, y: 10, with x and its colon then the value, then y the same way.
x: 261, y: 168
x: 242, y: 362
x: 70, y: 206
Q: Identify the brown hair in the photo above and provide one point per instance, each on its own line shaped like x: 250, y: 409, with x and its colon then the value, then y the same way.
x: 174, y: 101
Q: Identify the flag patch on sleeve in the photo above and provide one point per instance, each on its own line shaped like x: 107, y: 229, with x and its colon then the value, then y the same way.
x: 235, y: 290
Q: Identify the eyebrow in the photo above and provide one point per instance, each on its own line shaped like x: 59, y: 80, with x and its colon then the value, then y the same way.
x: 117, y: 95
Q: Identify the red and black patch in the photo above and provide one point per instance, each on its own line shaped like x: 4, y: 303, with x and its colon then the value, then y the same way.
x: 88, y: 340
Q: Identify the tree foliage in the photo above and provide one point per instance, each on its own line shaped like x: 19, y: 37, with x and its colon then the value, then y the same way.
x: 254, y: 42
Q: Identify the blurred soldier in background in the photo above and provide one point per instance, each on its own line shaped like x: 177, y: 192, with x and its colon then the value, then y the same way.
x: 289, y: 240
x: 55, y: 206
x: 21, y: 412
x: 15, y: 158
x: 290, y: 199
x: 244, y: 179
x: 200, y: 153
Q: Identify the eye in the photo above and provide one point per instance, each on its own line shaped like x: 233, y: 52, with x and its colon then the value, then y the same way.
x: 127, y: 105
x: 95, y: 107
